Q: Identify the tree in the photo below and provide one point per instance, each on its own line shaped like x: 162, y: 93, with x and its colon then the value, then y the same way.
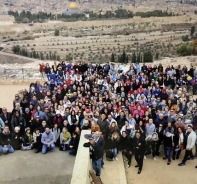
x: 192, y: 30
x: 157, y: 55
x: 123, y: 57
x: 127, y: 59
x: 112, y: 58
x: 47, y: 56
x: 68, y: 57
x: 16, y: 49
x: 133, y: 59
x: 41, y: 56
x: 148, y: 57
x: 139, y: 58
x: 58, y: 57
x: 185, y: 38
x: 57, y: 32
x: 186, y: 49
x: 34, y: 54
x: 50, y: 55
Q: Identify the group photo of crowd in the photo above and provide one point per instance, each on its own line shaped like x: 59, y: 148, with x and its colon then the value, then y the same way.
x: 143, y: 112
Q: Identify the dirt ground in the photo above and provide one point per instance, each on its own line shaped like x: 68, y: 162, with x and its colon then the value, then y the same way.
x: 7, y: 93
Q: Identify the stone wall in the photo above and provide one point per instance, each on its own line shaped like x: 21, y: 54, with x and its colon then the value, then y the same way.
x: 177, y: 26
x: 82, y: 162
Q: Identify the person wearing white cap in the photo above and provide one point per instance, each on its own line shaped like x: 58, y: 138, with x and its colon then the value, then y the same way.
x: 16, y: 139
x: 189, y: 139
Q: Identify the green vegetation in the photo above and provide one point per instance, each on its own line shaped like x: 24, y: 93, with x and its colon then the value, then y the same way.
x: 155, y: 13
x: 27, y: 16
x: 192, y: 30
x: 186, y: 49
x: 16, y: 49
x: 141, y: 57
x: 185, y: 38
x: 57, y: 32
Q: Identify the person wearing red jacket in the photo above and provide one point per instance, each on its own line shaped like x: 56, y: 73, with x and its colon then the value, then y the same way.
x: 138, y: 111
x: 42, y: 70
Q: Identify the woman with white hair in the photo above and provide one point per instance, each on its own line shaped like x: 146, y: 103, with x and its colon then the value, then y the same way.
x: 16, y: 139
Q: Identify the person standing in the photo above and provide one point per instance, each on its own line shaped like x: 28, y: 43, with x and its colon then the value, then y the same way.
x: 96, y: 154
x: 189, y: 140
x: 48, y: 140
x: 168, y: 142
x: 139, y: 147
x: 151, y: 145
x: 126, y: 145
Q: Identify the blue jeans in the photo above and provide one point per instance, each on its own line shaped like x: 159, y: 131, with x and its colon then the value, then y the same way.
x: 45, y: 148
x: 115, y: 150
x: 96, y: 164
x: 167, y: 151
x: 8, y: 149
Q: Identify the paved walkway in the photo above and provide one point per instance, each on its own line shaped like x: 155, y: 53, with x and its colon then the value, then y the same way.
x: 26, y: 167
x: 114, y: 172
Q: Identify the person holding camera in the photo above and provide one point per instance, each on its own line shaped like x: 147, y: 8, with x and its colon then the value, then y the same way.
x: 96, y: 154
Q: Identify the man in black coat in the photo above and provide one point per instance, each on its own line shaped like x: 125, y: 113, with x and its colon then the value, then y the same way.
x: 126, y: 145
x: 140, y: 147
x: 96, y: 154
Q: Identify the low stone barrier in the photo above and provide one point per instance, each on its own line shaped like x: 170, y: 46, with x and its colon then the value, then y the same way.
x: 82, y: 162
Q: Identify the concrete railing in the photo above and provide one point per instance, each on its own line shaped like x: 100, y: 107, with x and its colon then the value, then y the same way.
x: 82, y: 162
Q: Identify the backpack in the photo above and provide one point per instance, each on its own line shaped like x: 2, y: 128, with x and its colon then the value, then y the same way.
x: 109, y: 155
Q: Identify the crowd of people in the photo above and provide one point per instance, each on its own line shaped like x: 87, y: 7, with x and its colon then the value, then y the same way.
x: 138, y: 111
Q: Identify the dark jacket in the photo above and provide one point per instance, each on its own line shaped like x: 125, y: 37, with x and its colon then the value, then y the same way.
x: 16, y: 141
x: 34, y: 125
x: 126, y: 143
x: 5, y: 139
x: 74, y: 142
x: 160, y: 134
x: 103, y: 126
x: 139, y: 145
x: 162, y: 121
x: 168, y: 141
x: 96, y: 152
x: 113, y: 143
x: 120, y: 121
x: 26, y: 140
x: 18, y: 121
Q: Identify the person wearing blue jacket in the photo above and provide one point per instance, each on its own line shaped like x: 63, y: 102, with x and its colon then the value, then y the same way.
x: 48, y: 140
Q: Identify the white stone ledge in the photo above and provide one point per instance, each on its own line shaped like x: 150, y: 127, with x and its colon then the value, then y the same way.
x: 82, y: 162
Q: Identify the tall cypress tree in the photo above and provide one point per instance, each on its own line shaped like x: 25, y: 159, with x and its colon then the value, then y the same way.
x: 112, y: 58
x: 133, y: 59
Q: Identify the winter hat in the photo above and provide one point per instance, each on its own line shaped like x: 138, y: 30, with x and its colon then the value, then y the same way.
x: 26, y: 109
x: 27, y: 129
x: 17, y: 128
x: 190, y: 126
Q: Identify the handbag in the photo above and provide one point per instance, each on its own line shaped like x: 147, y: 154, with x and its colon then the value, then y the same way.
x: 181, y: 146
